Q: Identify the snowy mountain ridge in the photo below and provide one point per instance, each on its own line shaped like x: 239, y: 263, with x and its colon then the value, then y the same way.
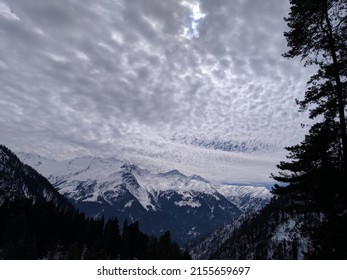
x: 189, y: 206
x: 112, y: 170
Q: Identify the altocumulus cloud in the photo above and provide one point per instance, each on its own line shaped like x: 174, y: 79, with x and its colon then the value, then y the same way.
x: 146, y: 80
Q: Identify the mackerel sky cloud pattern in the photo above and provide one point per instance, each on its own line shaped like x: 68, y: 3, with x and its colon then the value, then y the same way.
x: 148, y: 80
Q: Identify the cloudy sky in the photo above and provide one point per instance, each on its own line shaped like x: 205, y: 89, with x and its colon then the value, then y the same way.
x: 195, y: 85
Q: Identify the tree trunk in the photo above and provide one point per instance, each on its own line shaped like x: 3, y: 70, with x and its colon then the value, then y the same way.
x: 339, y: 90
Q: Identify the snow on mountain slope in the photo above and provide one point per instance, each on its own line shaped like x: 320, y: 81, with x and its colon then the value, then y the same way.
x: 188, y: 206
x: 34, y: 160
x: 81, y: 168
x: 247, y: 198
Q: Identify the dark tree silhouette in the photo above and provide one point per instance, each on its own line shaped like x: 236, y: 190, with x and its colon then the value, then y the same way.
x: 317, y: 171
x: 318, y: 35
x: 314, y: 197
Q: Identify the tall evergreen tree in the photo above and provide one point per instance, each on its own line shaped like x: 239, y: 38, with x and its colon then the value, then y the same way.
x: 316, y: 172
x: 312, y: 207
x: 318, y: 35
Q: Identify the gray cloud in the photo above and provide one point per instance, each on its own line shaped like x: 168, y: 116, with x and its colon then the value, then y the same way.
x: 127, y: 77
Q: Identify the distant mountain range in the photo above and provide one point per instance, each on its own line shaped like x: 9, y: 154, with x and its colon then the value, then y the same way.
x: 189, y: 206
x: 211, y: 221
x: 39, y: 223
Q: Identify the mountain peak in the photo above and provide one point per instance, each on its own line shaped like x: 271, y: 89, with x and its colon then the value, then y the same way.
x: 198, y: 178
x: 173, y: 173
x: 130, y: 167
x: 188, y: 206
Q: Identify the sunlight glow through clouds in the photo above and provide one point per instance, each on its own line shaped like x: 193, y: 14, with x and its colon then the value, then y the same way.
x: 196, y: 16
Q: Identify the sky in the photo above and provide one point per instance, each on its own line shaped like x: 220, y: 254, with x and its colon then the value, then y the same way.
x: 198, y: 86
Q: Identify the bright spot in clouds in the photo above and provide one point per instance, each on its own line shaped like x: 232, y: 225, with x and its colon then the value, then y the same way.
x: 196, y: 16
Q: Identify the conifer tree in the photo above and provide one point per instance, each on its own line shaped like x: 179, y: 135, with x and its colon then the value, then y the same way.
x: 318, y: 35
x: 316, y: 173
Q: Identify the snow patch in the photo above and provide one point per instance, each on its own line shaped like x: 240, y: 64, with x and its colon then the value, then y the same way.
x: 190, y: 203
x: 129, y: 204
x: 284, y: 231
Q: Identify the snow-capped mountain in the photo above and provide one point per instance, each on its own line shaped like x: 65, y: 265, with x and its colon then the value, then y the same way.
x: 188, y: 206
x: 248, y: 198
x: 20, y: 181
